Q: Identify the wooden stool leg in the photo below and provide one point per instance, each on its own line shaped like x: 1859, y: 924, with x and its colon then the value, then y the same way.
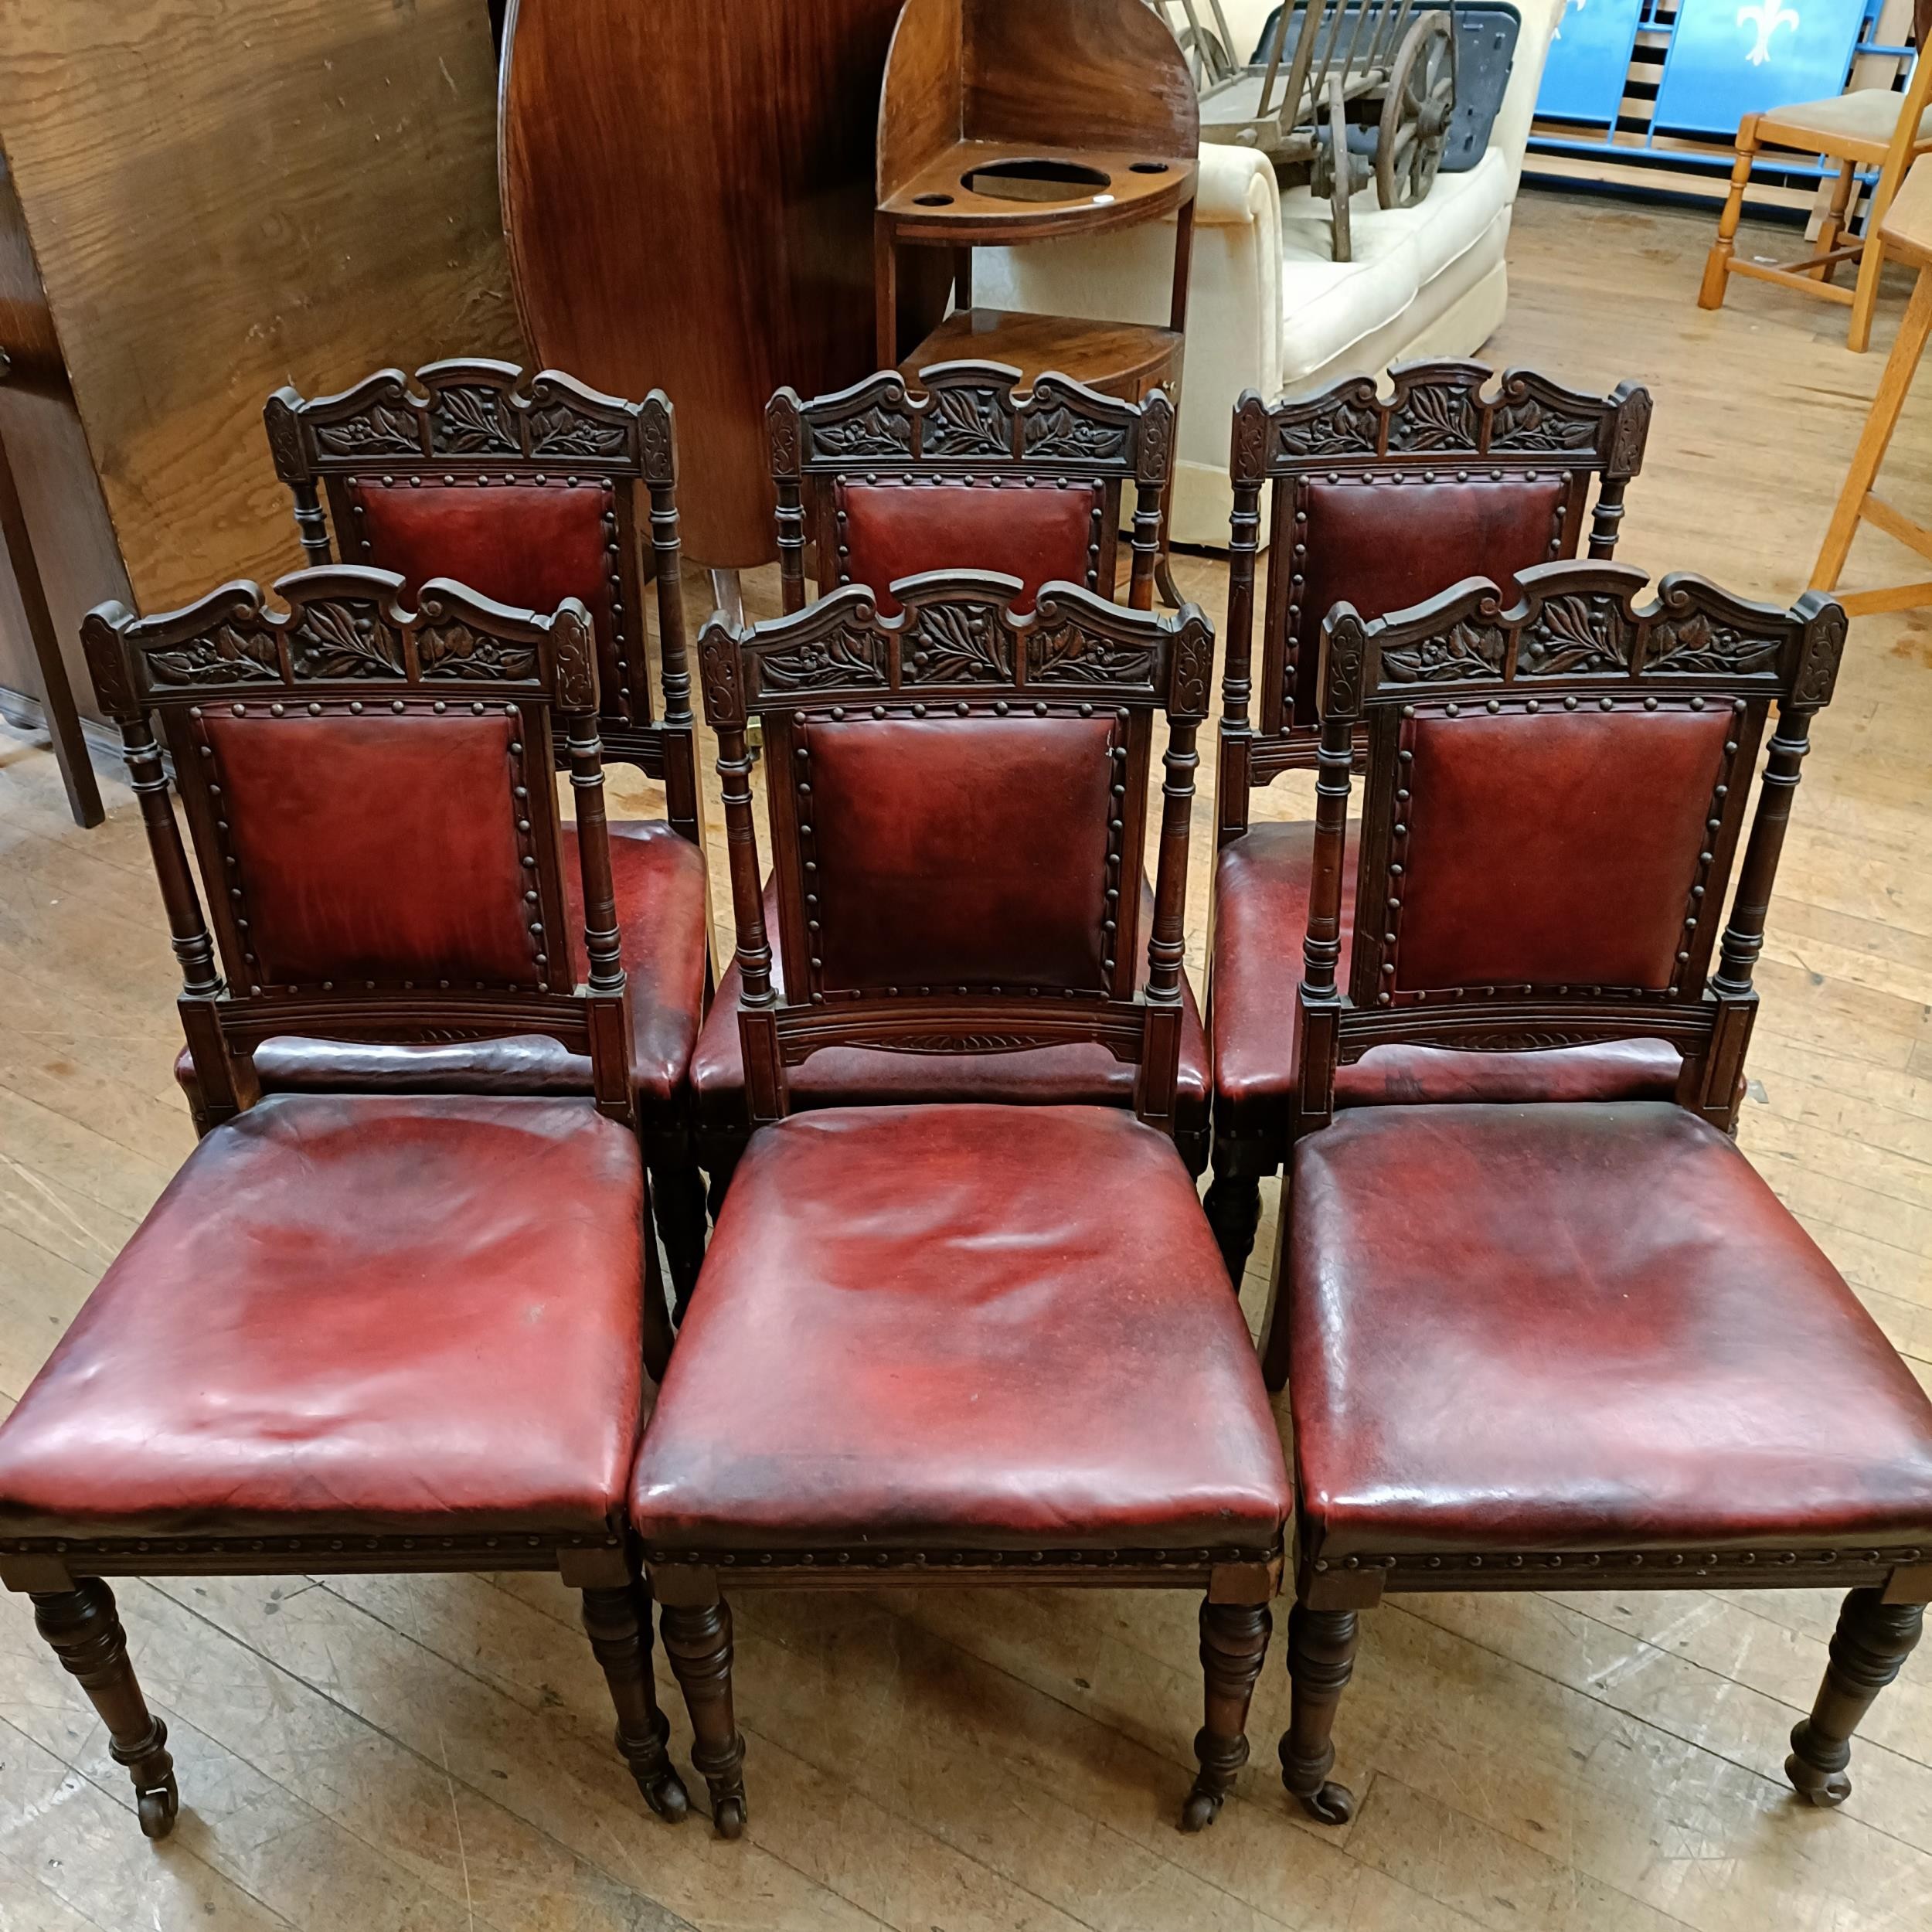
x: 1320, y: 1661
x: 1865, y: 298
x: 1833, y: 225
x: 1233, y: 1206
x: 1894, y: 385
x: 1717, y: 264
x: 1234, y: 1645
x: 82, y: 1626
x: 618, y: 1622
x: 1872, y: 1640
x: 697, y: 1638
x: 677, y: 1194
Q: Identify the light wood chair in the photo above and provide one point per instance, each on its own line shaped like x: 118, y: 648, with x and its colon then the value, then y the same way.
x: 1907, y: 233
x: 1870, y: 127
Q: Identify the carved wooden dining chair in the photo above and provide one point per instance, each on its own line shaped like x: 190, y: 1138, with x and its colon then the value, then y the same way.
x: 971, y: 475
x: 976, y: 474
x: 359, y: 1332
x: 531, y: 498
x: 1572, y: 1344
x: 1379, y: 502
x: 960, y: 1342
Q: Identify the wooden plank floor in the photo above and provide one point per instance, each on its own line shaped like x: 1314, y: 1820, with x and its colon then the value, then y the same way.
x: 393, y: 1756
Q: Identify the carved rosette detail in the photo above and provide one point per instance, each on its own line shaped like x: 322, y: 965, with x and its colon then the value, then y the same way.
x: 560, y: 430
x: 453, y: 650
x: 975, y: 421
x: 718, y: 659
x: 846, y: 656
x: 1060, y: 431
x: 954, y: 643
x: 1575, y: 632
x: 1824, y: 645
x: 879, y: 430
x: 942, y: 1043
x: 1466, y: 650
x: 468, y: 421
x: 1434, y: 416
x: 383, y: 429
x: 1535, y: 424
x: 344, y: 638
x: 1070, y: 654
x: 1341, y: 428
x: 1702, y: 642
x: 229, y: 656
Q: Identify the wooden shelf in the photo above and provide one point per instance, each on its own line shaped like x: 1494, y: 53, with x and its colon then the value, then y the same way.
x: 1049, y: 191
x: 1120, y: 359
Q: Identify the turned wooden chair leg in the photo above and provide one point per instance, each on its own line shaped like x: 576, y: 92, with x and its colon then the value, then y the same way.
x: 723, y: 1164
x: 1234, y: 1645
x: 697, y: 1638
x: 1872, y: 1640
x: 1717, y: 264
x: 1865, y: 297
x: 82, y: 1626
x: 677, y: 1193
x: 1233, y: 1206
x: 618, y: 1622
x: 1320, y: 1660
x: 1832, y: 226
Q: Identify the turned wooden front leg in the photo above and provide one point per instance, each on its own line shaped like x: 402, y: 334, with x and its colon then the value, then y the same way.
x: 618, y: 1621
x: 1320, y: 1661
x: 85, y: 1631
x: 697, y: 1638
x: 1872, y: 1640
x: 1234, y: 1645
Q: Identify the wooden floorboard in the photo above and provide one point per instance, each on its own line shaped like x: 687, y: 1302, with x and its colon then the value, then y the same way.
x: 432, y: 1755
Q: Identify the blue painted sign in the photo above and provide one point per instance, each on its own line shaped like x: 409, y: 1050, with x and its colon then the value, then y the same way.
x: 1730, y: 58
x: 1589, y: 62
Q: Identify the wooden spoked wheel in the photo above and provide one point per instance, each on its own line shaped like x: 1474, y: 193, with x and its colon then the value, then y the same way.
x: 1416, y: 112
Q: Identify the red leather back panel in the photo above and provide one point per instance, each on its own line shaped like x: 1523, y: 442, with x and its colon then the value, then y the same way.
x: 376, y: 848
x: 1557, y: 849
x: 960, y: 852
x: 1383, y: 546
x: 525, y: 544
x: 1040, y: 532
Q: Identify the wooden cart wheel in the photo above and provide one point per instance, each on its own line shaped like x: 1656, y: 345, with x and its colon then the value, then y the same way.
x: 1416, y: 112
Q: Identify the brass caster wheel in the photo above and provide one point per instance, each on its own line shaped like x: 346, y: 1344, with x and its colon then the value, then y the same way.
x: 157, y: 1805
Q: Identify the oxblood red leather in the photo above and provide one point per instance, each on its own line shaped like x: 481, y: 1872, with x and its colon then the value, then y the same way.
x: 660, y: 887
x: 1084, y: 1075
x: 524, y: 544
x: 1582, y: 1327
x: 1040, y: 532
x: 1499, y: 817
x: 374, y: 1315
x: 1383, y: 546
x: 962, y: 1327
x: 970, y: 851
x: 1261, y: 885
x: 402, y: 887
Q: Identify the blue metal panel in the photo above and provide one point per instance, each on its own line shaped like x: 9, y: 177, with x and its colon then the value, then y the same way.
x: 1589, y: 62
x: 1730, y: 58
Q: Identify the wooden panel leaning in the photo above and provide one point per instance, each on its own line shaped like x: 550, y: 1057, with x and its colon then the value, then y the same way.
x: 1658, y: 1380
x: 325, y: 1335
x: 910, y: 1354
x: 873, y: 472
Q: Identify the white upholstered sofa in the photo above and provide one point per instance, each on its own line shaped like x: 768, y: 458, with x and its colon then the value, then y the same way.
x: 1267, y: 309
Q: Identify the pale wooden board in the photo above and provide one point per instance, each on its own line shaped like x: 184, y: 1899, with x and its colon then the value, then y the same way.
x: 434, y: 1753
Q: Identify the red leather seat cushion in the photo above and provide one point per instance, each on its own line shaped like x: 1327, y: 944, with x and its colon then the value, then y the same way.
x: 1040, y: 532
x: 962, y: 1327
x: 1261, y: 885
x: 1579, y: 1327
x: 375, y: 1316
x: 660, y: 886
x: 1081, y: 1075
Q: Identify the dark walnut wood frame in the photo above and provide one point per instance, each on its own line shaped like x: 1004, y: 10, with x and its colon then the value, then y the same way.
x: 470, y: 422
x: 1575, y: 636
x: 973, y: 426
x: 1075, y: 655
x: 1436, y: 426
x: 344, y: 645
